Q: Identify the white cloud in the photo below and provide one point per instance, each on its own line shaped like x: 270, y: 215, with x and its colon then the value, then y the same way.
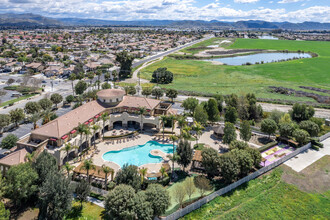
x: 289, y: 1
x: 161, y: 9
x: 245, y: 1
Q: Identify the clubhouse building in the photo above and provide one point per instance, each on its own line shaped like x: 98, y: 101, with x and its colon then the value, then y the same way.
x: 122, y: 111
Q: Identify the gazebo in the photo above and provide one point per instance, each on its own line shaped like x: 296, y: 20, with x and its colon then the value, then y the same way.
x: 219, y: 131
x: 197, y: 160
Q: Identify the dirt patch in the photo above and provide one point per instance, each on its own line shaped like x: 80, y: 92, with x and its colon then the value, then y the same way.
x: 29, y: 214
x: 260, y: 140
x: 315, y: 178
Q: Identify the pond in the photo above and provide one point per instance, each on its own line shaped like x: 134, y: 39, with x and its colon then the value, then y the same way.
x: 265, y: 57
x: 267, y: 37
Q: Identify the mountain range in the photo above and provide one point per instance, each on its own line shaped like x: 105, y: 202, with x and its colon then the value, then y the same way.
x: 33, y: 20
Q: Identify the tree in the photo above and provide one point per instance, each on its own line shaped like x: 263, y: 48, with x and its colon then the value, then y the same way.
x: 286, y: 129
x: 285, y: 118
x: 312, y: 128
x: 106, y: 170
x: 69, y: 99
x: 185, y: 152
x: 4, y: 120
x: 162, y: 76
x: 20, y: 183
x: 243, y: 108
x: 163, y: 172
x: 164, y: 119
x: 146, y: 91
x: 172, y: 94
x: 88, y: 165
x: 231, y: 115
x: 82, y: 191
x: 268, y: 126
x: 219, y: 99
x: 44, y: 164
x: 9, y: 141
x: 202, y: 184
x: 105, y: 117
x: 141, y: 111
x: 200, y: 115
x: 95, y: 128
x: 229, y: 133
x: 240, y: 145
x: 72, y: 78
x: 80, y: 87
x: 107, y: 77
x: 68, y: 168
x: 123, y: 203
x: 301, y: 112
x: 106, y: 85
x: 17, y: 115
x: 244, y: 159
x: 198, y: 128
x: 159, y: 198
x: 245, y: 131
x: 125, y: 60
x: 276, y: 115
x: 301, y: 136
x: 10, y: 81
x: 190, y: 104
x: 229, y: 167
x: 189, y: 186
x: 179, y: 193
x: 212, y: 110
x: 67, y: 148
x: 129, y: 175
x: 182, y: 122
x: 56, y: 98
x: 157, y: 92
x: 210, y: 161
x: 173, y: 138
x: 45, y: 103
x: 143, y: 173
x: 232, y: 101
x: 4, y: 213
x: 32, y: 108
x: 255, y: 155
x: 55, y: 196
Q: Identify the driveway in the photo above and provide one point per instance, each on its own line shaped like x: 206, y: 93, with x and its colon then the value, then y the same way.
x: 308, y: 157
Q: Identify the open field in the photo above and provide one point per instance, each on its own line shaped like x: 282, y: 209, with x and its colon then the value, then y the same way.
x: 267, y: 197
x: 194, y: 49
x: 202, y: 76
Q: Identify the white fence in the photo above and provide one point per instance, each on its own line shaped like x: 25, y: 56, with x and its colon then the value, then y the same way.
x: 199, y: 203
x: 326, y: 136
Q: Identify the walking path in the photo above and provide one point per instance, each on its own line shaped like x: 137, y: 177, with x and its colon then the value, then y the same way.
x: 95, y: 201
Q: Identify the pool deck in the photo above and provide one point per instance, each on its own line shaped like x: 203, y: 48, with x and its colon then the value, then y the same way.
x: 109, y: 145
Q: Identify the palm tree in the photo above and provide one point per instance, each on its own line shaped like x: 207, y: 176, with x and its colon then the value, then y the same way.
x: 46, y: 116
x: 175, y: 157
x: 106, y: 170
x: 72, y: 78
x: 173, y: 138
x: 68, y: 168
x: 164, y: 119
x: 30, y: 156
x: 141, y: 111
x: 34, y: 118
x: 163, y: 172
x: 182, y: 123
x: 87, y: 132
x: 143, y: 173
x: 186, y: 132
x: 172, y: 118
x: 81, y: 130
x: 67, y: 148
x: 95, y: 128
x: 105, y: 116
x: 198, y: 128
x: 88, y: 165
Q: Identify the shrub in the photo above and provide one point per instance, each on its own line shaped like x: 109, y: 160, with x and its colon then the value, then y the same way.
x: 267, y: 146
x: 9, y: 141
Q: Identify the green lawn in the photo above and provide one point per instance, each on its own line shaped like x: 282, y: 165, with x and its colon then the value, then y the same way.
x: 90, y: 211
x: 16, y: 100
x: 266, y: 198
x: 201, y: 76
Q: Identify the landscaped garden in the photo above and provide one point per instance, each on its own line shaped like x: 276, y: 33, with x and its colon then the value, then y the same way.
x: 205, y: 77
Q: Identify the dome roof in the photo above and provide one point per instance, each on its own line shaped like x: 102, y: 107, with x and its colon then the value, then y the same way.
x: 111, y: 93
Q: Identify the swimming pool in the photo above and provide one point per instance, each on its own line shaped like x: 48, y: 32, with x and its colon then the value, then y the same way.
x: 139, y: 154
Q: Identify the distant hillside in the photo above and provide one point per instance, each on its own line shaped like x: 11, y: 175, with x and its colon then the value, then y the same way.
x: 38, y: 20
x: 27, y: 20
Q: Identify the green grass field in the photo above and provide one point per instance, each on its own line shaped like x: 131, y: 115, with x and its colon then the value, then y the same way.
x: 266, y: 198
x: 16, y: 100
x: 202, y: 76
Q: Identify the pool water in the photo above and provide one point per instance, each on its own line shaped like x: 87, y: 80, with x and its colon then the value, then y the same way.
x: 265, y: 57
x: 139, y: 154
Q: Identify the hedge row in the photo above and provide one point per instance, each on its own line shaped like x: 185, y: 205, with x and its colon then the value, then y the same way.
x: 267, y: 146
x: 119, y: 136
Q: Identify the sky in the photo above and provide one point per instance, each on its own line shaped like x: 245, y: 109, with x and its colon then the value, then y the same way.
x: 223, y: 10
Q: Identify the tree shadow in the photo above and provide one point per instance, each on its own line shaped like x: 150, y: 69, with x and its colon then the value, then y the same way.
x: 75, y: 212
